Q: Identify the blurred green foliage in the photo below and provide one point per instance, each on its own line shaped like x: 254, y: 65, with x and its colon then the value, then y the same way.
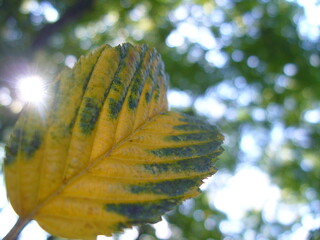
x: 252, y: 57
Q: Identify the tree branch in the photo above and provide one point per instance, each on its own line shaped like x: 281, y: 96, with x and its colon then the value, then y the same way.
x: 70, y: 15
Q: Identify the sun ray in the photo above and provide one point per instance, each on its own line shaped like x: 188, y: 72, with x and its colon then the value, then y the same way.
x: 31, y: 89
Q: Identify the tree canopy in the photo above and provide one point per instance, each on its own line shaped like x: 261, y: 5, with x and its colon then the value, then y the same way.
x: 250, y: 67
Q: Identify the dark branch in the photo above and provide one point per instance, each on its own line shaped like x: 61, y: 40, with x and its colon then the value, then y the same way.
x: 70, y: 15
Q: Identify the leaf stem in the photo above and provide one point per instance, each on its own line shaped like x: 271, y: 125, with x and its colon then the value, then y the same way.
x: 16, y: 229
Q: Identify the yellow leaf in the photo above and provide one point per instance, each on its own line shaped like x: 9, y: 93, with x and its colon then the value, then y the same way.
x: 106, y: 153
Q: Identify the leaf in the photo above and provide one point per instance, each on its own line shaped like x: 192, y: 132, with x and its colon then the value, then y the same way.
x: 105, y: 153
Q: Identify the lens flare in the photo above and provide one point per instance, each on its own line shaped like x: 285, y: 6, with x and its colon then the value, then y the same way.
x: 31, y: 89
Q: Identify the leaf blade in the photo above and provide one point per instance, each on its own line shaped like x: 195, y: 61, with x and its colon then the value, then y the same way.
x: 112, y: 155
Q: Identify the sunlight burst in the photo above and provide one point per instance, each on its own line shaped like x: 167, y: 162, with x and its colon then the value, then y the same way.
x: 31, y: 89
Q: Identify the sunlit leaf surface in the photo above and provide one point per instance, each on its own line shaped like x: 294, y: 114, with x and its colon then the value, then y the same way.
x: 105, y: 153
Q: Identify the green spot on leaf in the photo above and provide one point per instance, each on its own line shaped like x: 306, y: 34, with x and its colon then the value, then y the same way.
x: 195, y: 127
x: 89, y: 115
x: 29, y: 147
x: 12, y: 149
x: 148, y: 97
x: 143, y: 211
x: 199, y: 165
x: 170, y: 188
x: 188, y: 151
x: 202, y: 136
